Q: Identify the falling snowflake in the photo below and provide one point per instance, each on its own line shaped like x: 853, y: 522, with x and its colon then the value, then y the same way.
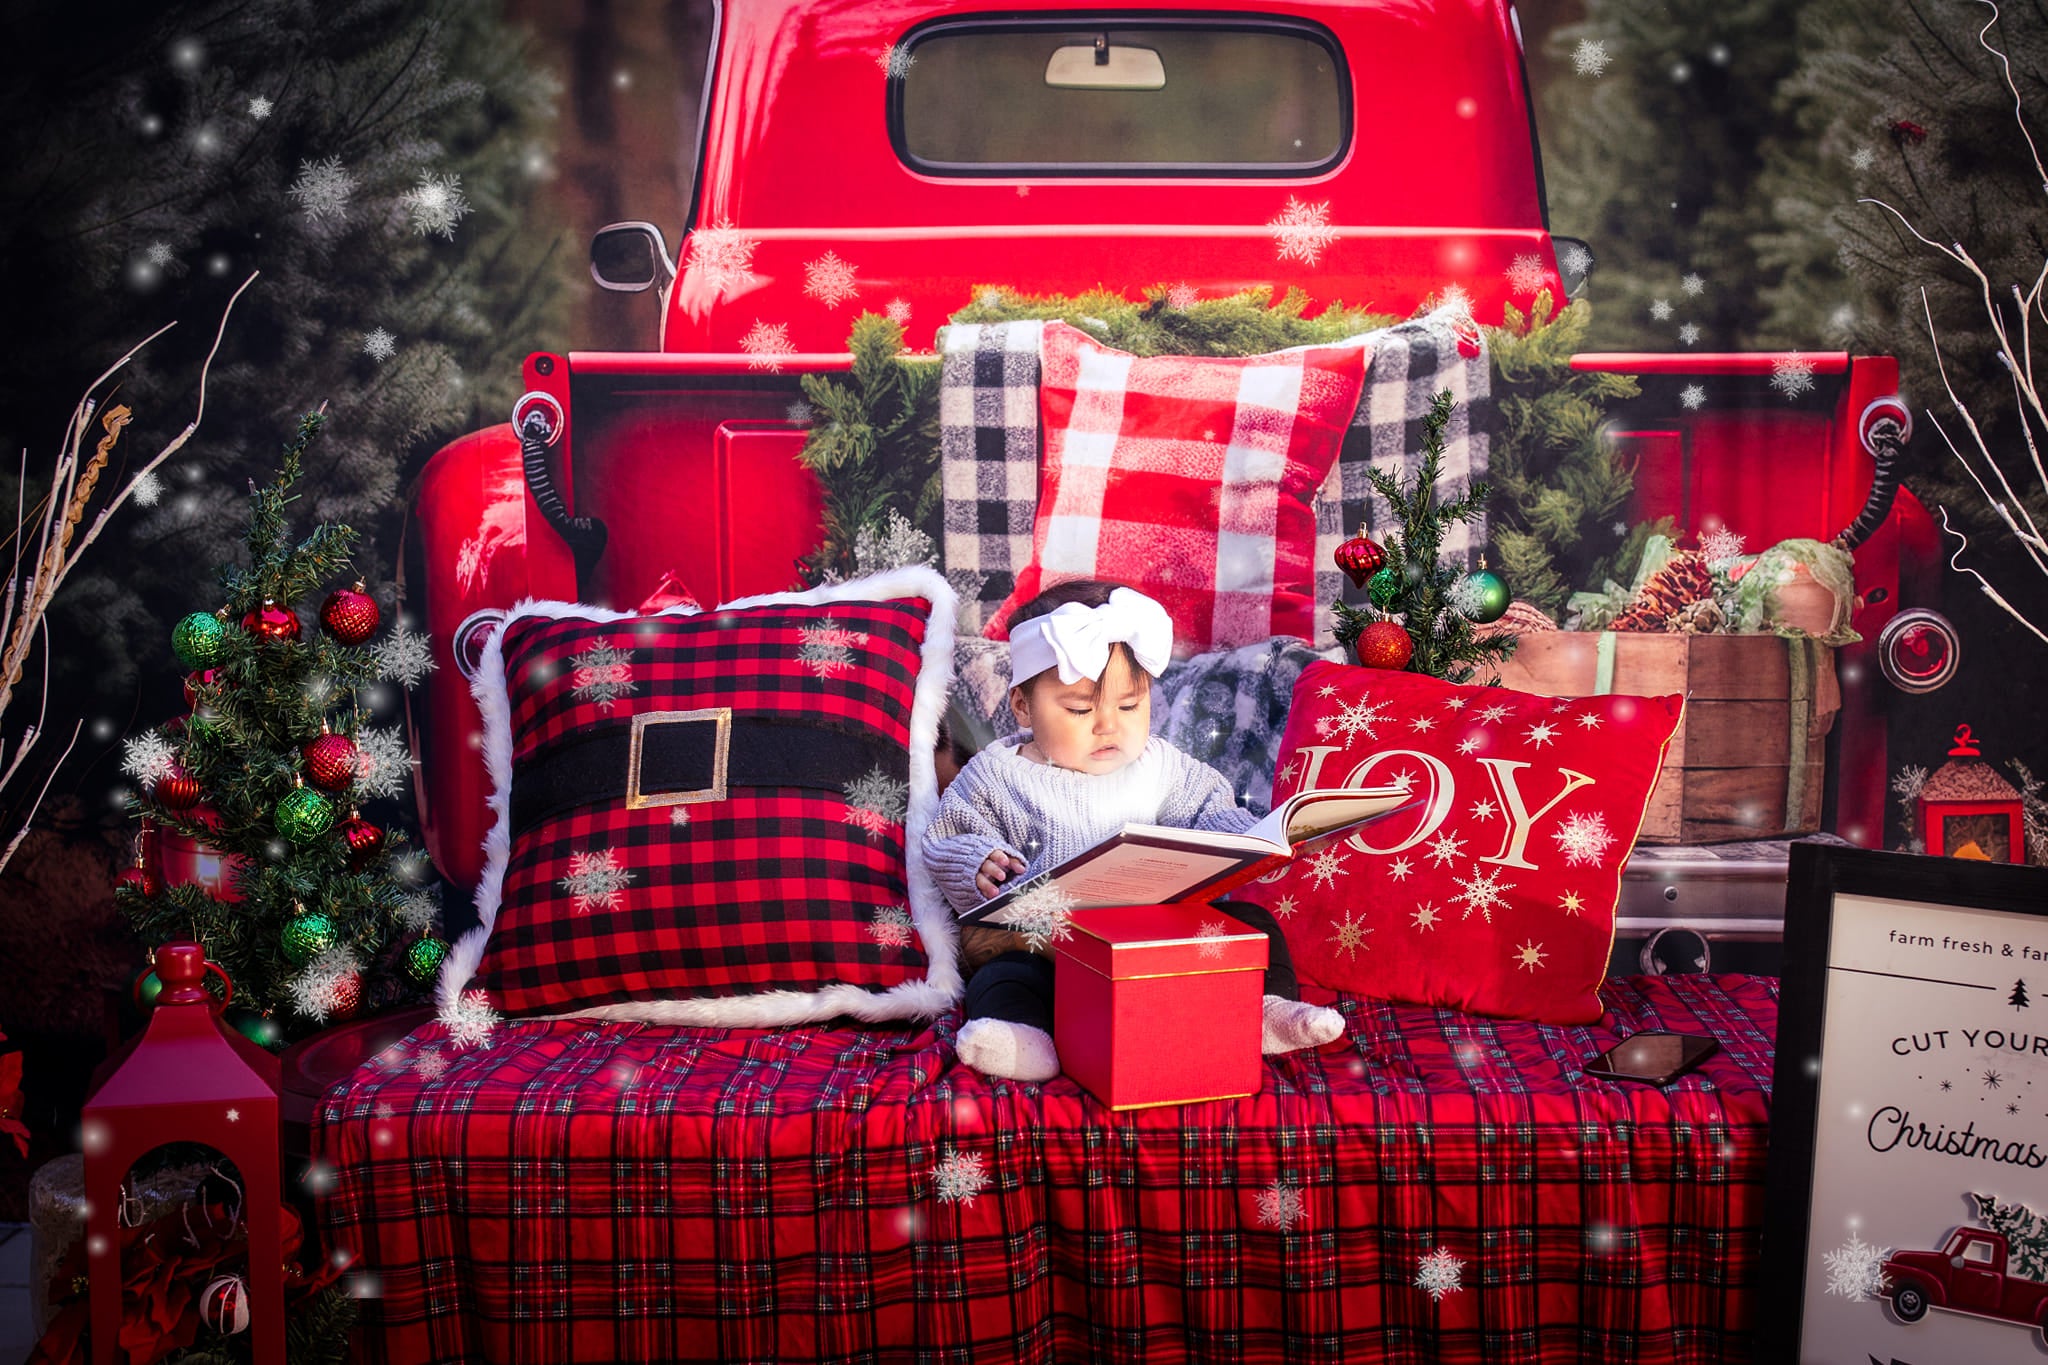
x: 470, y: 1020
x: 329, y: 984
x: 1689, y: 333
x: 1042, y: 914
x: 1908, y: 781
x: 800, y: 414
x: 420, y: 911
x: 148, y: 758
x: 323, y: 189
x: 260, y: 107
x: 406, y: 657
x: 1584, y: 839
x: 1529, y: 955
x: 435, y: 205
x: 1183, y: 296
x: 1446, y: 847
x: 829, y: 280
x: 1359, y: 718
x: 1720, y: 545
x: 596, y: 881
x: 891, y: 926
x: 1482, y: 892
x: 1326, y: 867
x: 602, y: 674
x: 1792, y: 375
x: 159, y: 255
x: 1862, y: 159
x: 1575, y: 259
x: 1211, y: 932
x: 1692, y: 395
x: 827, y: 648
x: 678, y: 816
x: 431, y: 1065
x: 1693, y: 285
x: 895, y: 62
x: 897, y: 311
x: 896, y: 544
x: 383, y: 761
x: 1527, y: 274
x: 767, y: 345
x: 1349, y: 935
x: 1302, y: 232
x: 1437, y: 1274
x: 1281, y: 1206
x: 379, y: 344
x: 1660, y: 309
x: 1856, y: 1269
x: 959, y: 1177
x: 147, y: 488
x: 1590, y: 58
x: 875, y: 801
x: 723, y: 258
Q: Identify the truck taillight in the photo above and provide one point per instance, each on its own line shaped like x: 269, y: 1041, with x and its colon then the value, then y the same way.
x: 1918, y: 650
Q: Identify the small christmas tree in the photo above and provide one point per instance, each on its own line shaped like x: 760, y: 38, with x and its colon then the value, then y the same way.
x: 1435, y: 602
x: 268, y: 770
x: 2024, y: 1230
x: 2019, y: 999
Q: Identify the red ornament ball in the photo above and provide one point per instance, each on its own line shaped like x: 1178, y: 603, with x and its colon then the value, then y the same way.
x: 1360, y: 559
x: 224, y: 1305
x: 332, y: 762
x: 1469, y: 342
x: 272, y: 622
x: 350, y: 614
x: 1384, y: 645
x: 347, y: 997
x: 139, y: 880
x: 176, y: 790
x: 364, y: 841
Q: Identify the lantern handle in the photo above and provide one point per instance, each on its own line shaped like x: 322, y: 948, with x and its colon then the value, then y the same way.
x: 227, y: 988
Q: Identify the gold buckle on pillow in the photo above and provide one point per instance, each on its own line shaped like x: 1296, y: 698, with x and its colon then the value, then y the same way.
x: 720, y: 716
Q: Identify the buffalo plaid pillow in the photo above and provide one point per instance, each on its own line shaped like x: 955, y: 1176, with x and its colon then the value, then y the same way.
x: 1190, y: 478
x: 1496, y: 893
x: 714, y: 817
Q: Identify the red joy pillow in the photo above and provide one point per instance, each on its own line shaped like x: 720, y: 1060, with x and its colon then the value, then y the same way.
x: 1497, y: 893
x: 1191, y: 478
x: 714, y: 817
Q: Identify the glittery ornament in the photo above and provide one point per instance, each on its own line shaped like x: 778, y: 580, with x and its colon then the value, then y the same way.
x: 350, y: 614
x: 1360, y: 558
x: 176, y: 790
x: 364, y: 840
x: 331, y: 762
x: 140, y: 880
x: 304, y: 815
x: 424, y: 958
x: 200, y: 640
x: 1383, y: 587
x: 347, y: 995
x: 1481, y: 596
x: 224, y: 1305
x: 306, y: 935
x: 272, y: 621
x: 1384, y: 645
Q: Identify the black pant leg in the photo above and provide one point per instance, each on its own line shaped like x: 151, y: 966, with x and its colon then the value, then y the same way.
x: 1279, y: 962
x: 1015, y: 987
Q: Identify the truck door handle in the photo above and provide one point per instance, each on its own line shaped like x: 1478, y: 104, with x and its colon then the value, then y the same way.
x: 1884, y: 427
x: 538, y: 429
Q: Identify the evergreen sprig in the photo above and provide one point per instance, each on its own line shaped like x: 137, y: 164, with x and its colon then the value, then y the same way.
x: 1447, y: 645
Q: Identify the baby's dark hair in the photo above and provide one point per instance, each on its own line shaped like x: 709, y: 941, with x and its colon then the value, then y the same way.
x: 1089, y: 592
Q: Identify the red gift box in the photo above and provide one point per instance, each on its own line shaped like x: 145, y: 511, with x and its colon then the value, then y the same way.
x: 1159, y: 1004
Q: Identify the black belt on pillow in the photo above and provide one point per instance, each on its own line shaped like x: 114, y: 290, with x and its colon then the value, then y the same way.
x: 669, y: 758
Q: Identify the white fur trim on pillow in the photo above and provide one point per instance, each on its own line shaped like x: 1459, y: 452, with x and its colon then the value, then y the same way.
x: 940, y: 986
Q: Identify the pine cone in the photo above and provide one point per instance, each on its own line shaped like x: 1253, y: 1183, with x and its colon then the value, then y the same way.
x: 1684, y: 580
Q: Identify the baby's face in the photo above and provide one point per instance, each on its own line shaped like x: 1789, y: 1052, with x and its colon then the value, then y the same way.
x: 1088, y: 726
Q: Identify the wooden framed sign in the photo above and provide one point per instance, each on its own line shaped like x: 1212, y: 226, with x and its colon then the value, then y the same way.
x: 1908, y: 1179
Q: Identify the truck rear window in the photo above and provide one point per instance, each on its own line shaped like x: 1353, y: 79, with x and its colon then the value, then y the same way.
x: 1124, y: 97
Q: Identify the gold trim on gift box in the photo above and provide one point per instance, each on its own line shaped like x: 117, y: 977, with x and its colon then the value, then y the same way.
x: 1163, y: 1104
x: 1164, y: 976
x: 721, y: 747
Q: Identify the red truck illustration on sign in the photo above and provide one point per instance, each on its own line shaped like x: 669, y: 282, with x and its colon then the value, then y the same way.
x: 865, y: 156
x: 1966, y: 1276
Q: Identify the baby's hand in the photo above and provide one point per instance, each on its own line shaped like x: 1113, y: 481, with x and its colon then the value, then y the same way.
x: 996, y: 869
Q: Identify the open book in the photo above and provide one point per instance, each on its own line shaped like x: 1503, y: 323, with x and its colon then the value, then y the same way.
x: 1158, y: 865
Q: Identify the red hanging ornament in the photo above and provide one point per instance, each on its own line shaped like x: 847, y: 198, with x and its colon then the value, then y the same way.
x: 347, y: 995
x: 272, y: 621
x: 1360, y: 558
x: 1384, y: 645
x: 138, y: 879
x: 350, y: 614
x: 332, y: 762
x: 176, y: 790
x: 1467, y: 333
x: 364, y: 840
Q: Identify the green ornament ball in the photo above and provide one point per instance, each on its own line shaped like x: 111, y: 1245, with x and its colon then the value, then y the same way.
x: 1481, y: 596
x: 1383, y: 588
x: 306, y: 936
x: 200, y: 640
x: 304, y: 815
x: 424, y: 958
x: 257, y: 1028
x: 148, y: 987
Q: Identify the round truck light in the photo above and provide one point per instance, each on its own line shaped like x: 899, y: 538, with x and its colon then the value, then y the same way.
x: 471, y: 637
x: 1918, y: 650
x: 546, y: 406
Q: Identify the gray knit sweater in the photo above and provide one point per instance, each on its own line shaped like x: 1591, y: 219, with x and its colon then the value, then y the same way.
x: 1045, y: 815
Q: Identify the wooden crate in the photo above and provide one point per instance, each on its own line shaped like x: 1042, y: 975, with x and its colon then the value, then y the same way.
x: 1754, y: 705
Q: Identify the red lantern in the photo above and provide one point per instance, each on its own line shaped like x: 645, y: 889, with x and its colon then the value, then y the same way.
x: 272, y: 621
x: 1968, y: 811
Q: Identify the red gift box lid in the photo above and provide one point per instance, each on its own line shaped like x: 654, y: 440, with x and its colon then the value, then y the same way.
x: 1122, y: 941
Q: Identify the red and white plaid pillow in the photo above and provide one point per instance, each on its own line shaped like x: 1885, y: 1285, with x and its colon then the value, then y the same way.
x: 714, y: 817
x: 1190, y: 478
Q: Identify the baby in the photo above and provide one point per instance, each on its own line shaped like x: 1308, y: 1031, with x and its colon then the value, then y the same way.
x: 1082, y: 659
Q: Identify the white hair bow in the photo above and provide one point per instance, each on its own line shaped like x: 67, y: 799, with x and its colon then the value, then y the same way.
x: 1076, y: 639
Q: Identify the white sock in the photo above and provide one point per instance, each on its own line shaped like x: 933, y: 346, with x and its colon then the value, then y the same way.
x: 1016, y: 1052
x: 1290, y: 1025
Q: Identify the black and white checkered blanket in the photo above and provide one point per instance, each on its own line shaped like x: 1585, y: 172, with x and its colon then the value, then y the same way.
x: 988, y: 449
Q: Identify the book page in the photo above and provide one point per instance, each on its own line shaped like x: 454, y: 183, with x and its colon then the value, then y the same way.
x: 1138, y: 874
x: 1311, y: 814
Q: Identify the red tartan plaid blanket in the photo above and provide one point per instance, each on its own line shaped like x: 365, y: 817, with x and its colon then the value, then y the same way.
x: 1433, y: 1187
